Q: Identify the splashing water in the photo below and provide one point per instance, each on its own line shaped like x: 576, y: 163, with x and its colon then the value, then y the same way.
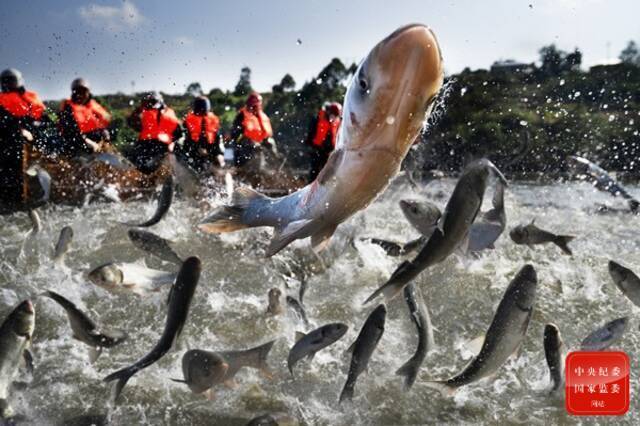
x: 228, y: 312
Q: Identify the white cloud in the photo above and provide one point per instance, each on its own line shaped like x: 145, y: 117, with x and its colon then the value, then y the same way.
x: 112, y: 18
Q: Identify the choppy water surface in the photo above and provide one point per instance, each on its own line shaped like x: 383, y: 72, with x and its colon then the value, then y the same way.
x: 229, y: 307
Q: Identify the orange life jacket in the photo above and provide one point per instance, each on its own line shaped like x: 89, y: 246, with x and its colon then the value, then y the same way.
x: 255, y: 127
x: 26, y: 104
x: 158, y: 124
x: 90, y: 116
x: 194, y: 122
x: 325, y: 126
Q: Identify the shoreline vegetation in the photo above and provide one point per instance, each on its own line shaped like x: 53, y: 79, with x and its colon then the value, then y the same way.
x: 525, y: 117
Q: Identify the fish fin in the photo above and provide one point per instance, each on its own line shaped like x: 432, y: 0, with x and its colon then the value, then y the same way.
x: 310, y: 356
x: 299, y: 335
x: 230, y: 218
x: 463, y: 247
x: 122, y: 377
x: 391, y: 288
x: 320, y: 240
x: 178, y: 380
x: 347, y: 392
x: 533, y: 222
x: 443, y: 387
x: 562, y: 241
x: 390, y: 248
x: 262, y: 352
x: 292, y: 231
x: 475, y: 345
x: 94, y: 353
x: 28, y: 360
x: 409, y: 371
x: 349, y: 350
x: 211, y: 395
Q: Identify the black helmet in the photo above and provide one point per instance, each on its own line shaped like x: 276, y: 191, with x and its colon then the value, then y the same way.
x: 80, y: 83
x: 153, y: 99
x: 201, y: 105
x: 12, y: 74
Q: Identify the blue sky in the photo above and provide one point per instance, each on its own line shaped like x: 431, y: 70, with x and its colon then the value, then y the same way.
x: 136, y: 45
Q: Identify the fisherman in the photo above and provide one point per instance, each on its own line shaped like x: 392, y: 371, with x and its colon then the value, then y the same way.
x: 20, y: 115
x: 323, y: 132
x: 251, y: 131
x: 203, y: 145
x: 158, y: 128
x: 83, y: 121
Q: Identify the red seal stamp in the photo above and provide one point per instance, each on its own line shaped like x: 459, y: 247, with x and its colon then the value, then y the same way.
x: 597, y: 383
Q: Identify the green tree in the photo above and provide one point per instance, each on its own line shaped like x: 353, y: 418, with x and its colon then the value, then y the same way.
x: 243, y: 88
x: 629, y: 54
x: 194, y: 89
x: 551, y: 59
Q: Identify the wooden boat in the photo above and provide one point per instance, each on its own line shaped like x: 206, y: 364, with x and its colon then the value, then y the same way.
x: 74, y: 181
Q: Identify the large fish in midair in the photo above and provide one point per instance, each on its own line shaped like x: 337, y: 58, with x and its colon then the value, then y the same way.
x: 389, y: 98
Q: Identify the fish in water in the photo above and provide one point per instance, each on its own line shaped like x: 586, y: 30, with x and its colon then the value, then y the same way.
x: 274, y: 307
x: 36, y: 223
x: 130, y: 277
x: 486, y: 231
x: 362, y: 349
x: 178, y: 305
x: 554, y: 352
x: 15, y: 338
x: 186, y: 180
x: 452, y: 230
x: 153, y: 244
x: 44, y: 180
x: 422, y: 215
x: 505, y: 335
x: 626, y: 281
x: 114, y: 160
x: 204, y: 369
x: 297, y: 308
x: 84, y: 329
x: 63, y: 244
x: 420, y: 317
x: 390, y: 97
x: 601, y: 179
x: 605, y: 336
x: 274, y: 419
x: 314, y: 341
x: 164, y: 203
x: 530, y: 235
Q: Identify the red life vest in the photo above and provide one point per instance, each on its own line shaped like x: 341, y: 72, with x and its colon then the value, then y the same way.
x: 256, y: 127
x: 26, y: 104
x: 158, y: 125
x: 325, y: 126
x: 90, y: 116
x: 194, y: 122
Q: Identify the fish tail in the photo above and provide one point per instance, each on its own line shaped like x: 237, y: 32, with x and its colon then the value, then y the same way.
x: 347, y: 391
x: 409, y: 371
x: 394, y: 285
x: 232, y: 217
x: 444, y: 388
x: 261, y: 353
x: 390, y: 248
x: 562, y: 241
x: 122, y: 377
x: 178, y: 380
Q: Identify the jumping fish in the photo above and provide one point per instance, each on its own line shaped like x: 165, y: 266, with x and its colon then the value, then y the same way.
x: 164, y: 203
x: 130, y: 277
x: 153, y: 244
x: 15, y: 338
x: 554, y: 352
x: 626, y: 281
x: 530, y: 235
x: 386, y: 105
x: 177, y: 312
x: 505, y: 334
x: 605, y: 336
x: 314, y: 341
x: 63, y: 244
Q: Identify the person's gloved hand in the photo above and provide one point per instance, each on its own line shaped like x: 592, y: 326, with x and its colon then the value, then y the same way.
x: 270, y: 144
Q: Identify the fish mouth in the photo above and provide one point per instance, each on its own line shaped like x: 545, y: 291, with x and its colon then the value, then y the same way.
x: 27, y: 307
